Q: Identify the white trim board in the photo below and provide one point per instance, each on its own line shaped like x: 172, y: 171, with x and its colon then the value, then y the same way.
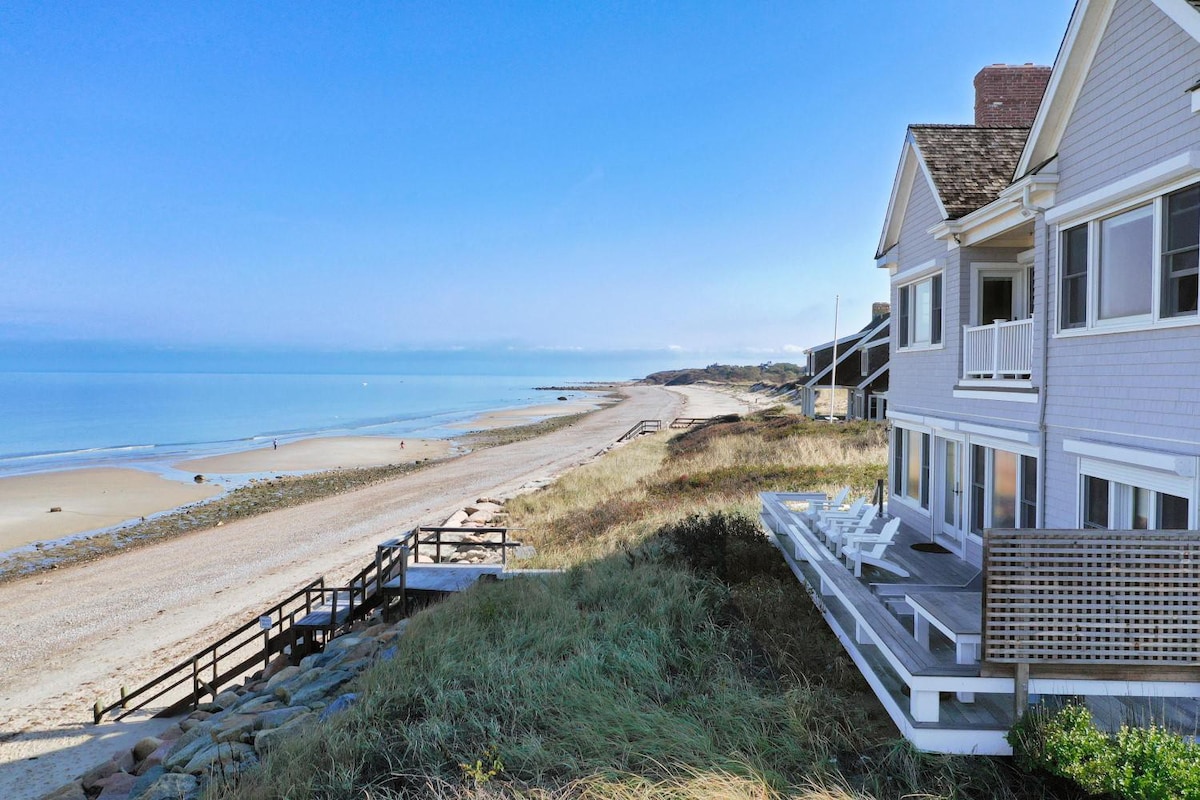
x: 1184, y: 466
x: 1152, y: 181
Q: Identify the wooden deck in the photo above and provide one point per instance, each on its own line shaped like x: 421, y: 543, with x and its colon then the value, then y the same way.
x: 937, y: 703
x: 443, y: 577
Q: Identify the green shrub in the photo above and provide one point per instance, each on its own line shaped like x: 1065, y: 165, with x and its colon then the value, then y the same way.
x: 1137, y: 763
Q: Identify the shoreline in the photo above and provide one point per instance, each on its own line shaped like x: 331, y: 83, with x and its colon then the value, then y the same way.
x: 258, y: 481
x: 149, y: 607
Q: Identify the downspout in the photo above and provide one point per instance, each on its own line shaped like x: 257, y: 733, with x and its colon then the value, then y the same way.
x: 1029, y: 209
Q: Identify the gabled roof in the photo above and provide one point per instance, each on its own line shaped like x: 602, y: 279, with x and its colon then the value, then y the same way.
x: 968, y: 165
x: 854, y: 342
x: 1084, y: 32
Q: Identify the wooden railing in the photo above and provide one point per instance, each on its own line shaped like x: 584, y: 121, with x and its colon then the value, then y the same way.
x: 999, y: 350
x: 295, y: 625
x: 215, y: 666
x: 688, y: 422
x: 645, y: 426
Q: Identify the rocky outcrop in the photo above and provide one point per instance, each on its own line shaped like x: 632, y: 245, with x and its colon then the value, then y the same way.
x: 238, y: 726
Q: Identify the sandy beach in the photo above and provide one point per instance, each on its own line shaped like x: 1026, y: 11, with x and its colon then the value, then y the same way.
x: 89, y: 498
x: 523, y: 416
x: 333, y: 452
x: 149, y: 608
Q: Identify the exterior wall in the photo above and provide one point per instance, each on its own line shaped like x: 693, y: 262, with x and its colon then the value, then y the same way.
x: 1137, y: 389
x: 1134, y: 109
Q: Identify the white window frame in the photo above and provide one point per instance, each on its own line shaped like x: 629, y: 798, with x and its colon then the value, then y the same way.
x: 989, y: 486
x: 1020, y: 275
x: 902, y: 439
x: 1095, y: 217
x: 1123, y: 478
x: 914, y: 325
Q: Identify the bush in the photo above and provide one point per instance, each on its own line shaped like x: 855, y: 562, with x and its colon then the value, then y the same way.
x: 1142, y: 763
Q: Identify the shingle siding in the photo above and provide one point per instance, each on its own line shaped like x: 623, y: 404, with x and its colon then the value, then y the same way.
x: 1133, y: 110
x: 1138, y: 389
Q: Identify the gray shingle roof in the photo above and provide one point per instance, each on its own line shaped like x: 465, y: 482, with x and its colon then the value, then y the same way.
x: 969, y: 165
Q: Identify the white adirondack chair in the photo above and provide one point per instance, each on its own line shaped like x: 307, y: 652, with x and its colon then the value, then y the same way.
x: 832, y: 504
x: 870, y: 549
x: 836, y: 528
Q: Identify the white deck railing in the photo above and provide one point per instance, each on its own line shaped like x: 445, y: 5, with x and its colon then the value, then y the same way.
x: 1002, y: 350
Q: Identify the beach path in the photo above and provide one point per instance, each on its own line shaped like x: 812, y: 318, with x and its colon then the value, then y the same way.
x: 75, y: 634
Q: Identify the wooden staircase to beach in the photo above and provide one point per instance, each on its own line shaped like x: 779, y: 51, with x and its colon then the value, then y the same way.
x: 302, y: 623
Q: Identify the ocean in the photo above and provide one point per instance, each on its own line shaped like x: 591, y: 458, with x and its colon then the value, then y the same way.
x: 56, y: 420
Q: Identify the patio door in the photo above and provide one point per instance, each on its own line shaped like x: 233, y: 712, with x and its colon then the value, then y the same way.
x: 949, y: 514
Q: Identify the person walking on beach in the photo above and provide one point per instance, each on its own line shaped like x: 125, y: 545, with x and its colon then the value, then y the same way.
x: 274, y: 444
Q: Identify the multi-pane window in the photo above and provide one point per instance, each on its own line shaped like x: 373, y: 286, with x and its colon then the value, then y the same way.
x: 1109, y: 268
x: 1180, y: 251
x: 1119, y: 506
x: 1073, y: 311
x: 919, y: 320
x: 1003, y: 489
x: 910, y: 466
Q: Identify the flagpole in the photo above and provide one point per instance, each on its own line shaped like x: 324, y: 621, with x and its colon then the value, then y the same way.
x: 837, y: 300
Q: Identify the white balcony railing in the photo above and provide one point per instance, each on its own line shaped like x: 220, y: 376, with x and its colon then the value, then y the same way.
x: 1000, y: 351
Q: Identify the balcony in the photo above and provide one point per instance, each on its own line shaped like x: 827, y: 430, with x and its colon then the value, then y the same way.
x: 999, y: 351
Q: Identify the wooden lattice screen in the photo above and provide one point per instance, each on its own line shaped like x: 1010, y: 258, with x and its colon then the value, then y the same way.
x: 1092, y: 597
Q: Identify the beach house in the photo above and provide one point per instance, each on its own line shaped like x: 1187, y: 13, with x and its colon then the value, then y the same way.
x: 851, y: 372
x: 1044, y: 396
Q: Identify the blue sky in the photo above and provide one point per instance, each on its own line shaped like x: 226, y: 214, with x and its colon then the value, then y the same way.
x: 699, y: 176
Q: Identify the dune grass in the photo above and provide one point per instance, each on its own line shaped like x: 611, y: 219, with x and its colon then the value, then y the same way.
x: 675, y: 658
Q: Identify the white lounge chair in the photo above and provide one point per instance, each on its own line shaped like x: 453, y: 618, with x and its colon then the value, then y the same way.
x: 836, y: 528
x: 833, y: 504
x: 870, y: 549
x: 840, y: 517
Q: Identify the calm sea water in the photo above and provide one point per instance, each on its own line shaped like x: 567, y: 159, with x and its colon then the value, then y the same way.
x: 53, y: 420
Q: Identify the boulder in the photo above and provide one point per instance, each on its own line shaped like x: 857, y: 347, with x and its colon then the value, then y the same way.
x: 318, y: 690
x: 266, y: 739
x: 278, y: 663
x: 279, y: 717
x: 220, y: 753
x: 285, y: 674
x: 118, y: 786
x: 172, y: 786
x: 145, y: 780
x: 145, y: 747
x: 339, y: 705
x: 71, y: 791
x: 92, y: 778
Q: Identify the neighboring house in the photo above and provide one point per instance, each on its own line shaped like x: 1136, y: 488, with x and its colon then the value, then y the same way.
x: 857, y: 385
x: 1044, y: 270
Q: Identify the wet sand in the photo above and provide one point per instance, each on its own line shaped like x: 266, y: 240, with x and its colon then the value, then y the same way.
x: 306, y: 455
x: 522, y: 416
x: 90, y: 499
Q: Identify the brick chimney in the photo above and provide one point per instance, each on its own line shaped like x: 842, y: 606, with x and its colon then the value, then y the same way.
x: 880, y: 310
x: 1009, y: 94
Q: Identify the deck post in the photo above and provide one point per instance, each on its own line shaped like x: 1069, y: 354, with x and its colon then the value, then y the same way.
x: 1021, y: 690
x: 923, y: 705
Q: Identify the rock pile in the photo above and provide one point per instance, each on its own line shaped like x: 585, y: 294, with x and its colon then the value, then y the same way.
x: 234, y: 730
x: 486, y: 512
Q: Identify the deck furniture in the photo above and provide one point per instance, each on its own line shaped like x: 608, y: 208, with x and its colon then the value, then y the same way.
x: 836, y: 502
x: 871, y: 549
x: 958, y: 615
x: 836, y: 530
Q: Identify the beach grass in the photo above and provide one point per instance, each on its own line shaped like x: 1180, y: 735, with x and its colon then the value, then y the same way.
x: 675, y: 658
